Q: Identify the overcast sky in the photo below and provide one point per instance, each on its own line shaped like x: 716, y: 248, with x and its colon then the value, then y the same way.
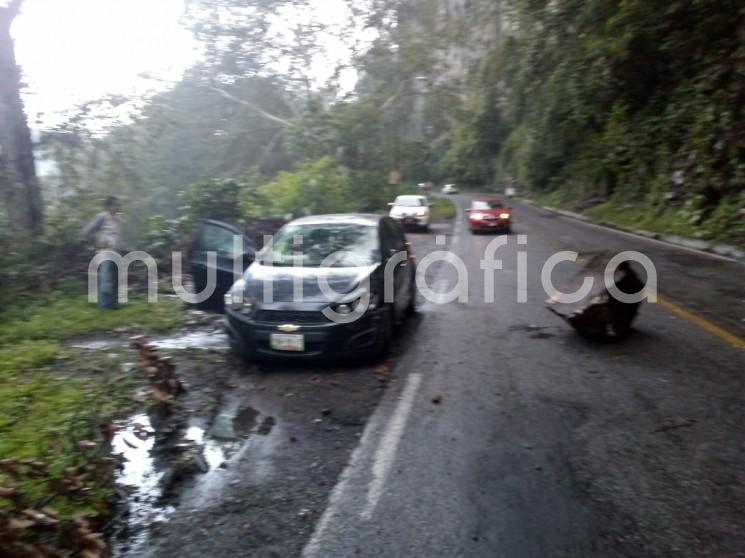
x: 77, y: 50
x: 71, y: 51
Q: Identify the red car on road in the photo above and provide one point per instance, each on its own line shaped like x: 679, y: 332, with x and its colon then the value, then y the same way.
x: 489, y: 214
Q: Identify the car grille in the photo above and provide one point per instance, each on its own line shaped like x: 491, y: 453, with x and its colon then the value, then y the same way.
x: 290, y: 317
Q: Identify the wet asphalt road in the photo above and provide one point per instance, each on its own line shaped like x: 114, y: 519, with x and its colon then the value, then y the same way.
x: 506, y: 434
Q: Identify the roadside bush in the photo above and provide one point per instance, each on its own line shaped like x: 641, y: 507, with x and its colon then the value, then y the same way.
x: 314, y: 187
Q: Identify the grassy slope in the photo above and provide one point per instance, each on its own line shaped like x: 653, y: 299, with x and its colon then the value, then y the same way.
x: 724, y: 225
x: 442, y: 209
x: 44, y: 413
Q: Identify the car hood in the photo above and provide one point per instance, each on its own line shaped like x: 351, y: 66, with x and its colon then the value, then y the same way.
x: 342, y: 280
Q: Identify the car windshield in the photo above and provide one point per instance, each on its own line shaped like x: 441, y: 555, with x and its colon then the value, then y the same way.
x: 483, y: 205
x: 311, y: 245
x: 409, y: 201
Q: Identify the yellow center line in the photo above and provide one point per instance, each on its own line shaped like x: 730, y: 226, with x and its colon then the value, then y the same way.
x: 734, y: 340
x: 675, y: 309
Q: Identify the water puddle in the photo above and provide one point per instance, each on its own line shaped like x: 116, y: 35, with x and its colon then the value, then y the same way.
x: 201, y: 454
x: 213, y: 340
x: 238, y: 445
x: 140, y: 478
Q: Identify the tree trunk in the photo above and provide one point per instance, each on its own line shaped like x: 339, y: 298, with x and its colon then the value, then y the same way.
x: 19, y: 185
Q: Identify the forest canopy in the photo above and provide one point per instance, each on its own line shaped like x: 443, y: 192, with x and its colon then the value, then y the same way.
x: 594, y: 105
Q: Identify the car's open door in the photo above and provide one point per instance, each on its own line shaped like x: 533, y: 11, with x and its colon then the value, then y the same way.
x: 230, y: 246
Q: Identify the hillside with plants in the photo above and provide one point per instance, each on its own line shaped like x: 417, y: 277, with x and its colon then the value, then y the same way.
x: 631, y: 111
x: 628, y: 111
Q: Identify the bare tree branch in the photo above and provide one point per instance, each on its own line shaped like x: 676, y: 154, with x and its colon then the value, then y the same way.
x: 231, y: 97
x: 253, y: 107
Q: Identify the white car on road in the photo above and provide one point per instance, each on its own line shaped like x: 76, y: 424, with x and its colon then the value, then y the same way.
x: 411, y: 211
x: 449, y: 189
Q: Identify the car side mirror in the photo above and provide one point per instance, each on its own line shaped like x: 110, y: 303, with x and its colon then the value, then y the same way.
x: 429, y: 205
x: 391, y: 204
x: 467, y: 211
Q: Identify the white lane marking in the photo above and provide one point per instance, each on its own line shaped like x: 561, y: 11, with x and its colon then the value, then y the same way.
x: 386, y: 453
x: 355, y: 466
x: 334, y: 505
x: 458, y: 222
x: 383, y: 457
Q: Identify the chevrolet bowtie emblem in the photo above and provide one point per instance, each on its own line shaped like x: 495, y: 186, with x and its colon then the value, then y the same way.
x: 289, y: 328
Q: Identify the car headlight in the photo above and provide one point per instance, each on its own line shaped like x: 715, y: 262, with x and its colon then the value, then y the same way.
x: 477, y: 216
x: 346, y: 308
x: 421, y: 213
x: 504, y: 215
x: 235, y: 300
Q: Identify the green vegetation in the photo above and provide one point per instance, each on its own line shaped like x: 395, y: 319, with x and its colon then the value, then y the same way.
x: 442, y: 209
x: 73, y: 316
x: 591, y: 105
x: 312, y: 188
x: 684, y: 221
x: 52, y: 398
x: 601, y: 102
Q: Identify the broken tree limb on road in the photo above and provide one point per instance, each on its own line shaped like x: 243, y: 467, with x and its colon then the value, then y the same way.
x: 599, y: 315
x: 160, y: 371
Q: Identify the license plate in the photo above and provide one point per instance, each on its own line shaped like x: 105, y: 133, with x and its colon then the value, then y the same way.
x: 283, y: 342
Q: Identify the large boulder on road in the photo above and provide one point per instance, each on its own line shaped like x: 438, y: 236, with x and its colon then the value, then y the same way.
x: 599, y: 315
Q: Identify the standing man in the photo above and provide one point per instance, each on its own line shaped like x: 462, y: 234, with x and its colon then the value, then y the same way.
x: 106, y: 229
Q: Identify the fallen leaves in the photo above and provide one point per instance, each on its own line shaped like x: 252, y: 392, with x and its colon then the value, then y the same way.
x: 31, y: 529
x: 40, y: 533
x: 160, y: 371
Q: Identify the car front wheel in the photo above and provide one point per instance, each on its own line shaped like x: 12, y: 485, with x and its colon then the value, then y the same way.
x: 411, y: 306
x: 239, y: 349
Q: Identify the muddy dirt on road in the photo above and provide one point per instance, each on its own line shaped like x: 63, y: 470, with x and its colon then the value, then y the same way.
x: 246, y: 458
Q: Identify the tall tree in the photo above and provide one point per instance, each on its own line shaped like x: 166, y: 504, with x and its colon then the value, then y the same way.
x: 18, y: 183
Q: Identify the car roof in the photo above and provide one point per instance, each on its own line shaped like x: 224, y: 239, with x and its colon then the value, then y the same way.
x: 368, y: 219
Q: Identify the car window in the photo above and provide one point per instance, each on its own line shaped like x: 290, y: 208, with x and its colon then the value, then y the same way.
x: 482, y: 205
x: 309, y: 245
x: 410, y: 201
x: 215, y: 238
